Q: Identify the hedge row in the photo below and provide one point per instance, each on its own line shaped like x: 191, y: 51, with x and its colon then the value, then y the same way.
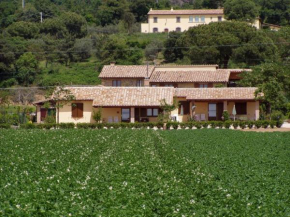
x: 170, y: 125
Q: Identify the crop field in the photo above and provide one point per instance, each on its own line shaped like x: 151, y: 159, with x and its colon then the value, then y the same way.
x: 144, y: 173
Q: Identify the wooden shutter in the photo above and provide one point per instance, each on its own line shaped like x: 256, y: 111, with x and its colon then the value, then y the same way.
x: 80, y: 110
x: 74, y: 110
x: 210, y: 85
x: 241, y: 108
x: 196, y: 85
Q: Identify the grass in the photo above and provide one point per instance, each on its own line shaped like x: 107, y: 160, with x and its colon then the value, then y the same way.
x: 144, y: 173
x: 80, y: 73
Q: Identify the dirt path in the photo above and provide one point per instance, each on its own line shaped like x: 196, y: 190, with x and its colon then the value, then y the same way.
x: 262, y: 130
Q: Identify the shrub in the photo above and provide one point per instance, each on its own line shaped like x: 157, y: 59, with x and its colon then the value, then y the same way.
x: 213, y: 124
x: 66, y: 126
x: 277, y: 116
x: 28, y: 126
x: 4, y: 126
x: 250, y: 124
x: 82, y: 125
x: 97, y: 115
x: 175, y: 125
x: 159, y: 125
x: 226, y: 116
x: 242, y: 124
x: 168, y: 125
x: 205, y: 124
x: 272, y: 124
x: 49, y: 120
x: 265, y: 124
x: 190, y: 125
x: 279, y: 124
x: 258, y: 124
x: 220, y: 124
x: 227, y: 124
x: 235, y: 124
x: 197, y: 125
x: 183, y: 125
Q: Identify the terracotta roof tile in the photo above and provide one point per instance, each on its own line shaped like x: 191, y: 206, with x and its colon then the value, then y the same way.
x: 242, y: 93
x: 219, y: 75
x: 123, y: 96
x: 119, y: 71
x: 187, y: 12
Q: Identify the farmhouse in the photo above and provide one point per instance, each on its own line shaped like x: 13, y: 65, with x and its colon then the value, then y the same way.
x: 135, y: 93
x: 182, y: 20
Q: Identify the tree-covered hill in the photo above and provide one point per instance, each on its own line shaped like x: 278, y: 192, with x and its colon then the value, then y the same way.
x: 77, y: 37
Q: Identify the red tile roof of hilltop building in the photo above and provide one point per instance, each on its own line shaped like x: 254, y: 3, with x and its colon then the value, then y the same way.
x: 236, y: 93
x: 220, y: 75
x: 120, y: 71
x: 187, y: 12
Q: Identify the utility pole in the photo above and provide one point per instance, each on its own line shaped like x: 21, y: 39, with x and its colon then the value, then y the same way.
x: 41, y: 17
x: 23, y: 4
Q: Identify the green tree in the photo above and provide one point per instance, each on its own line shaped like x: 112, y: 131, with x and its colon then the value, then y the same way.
x: 152, y: 49
x: 221, y: 42
x: 172, y: 52
x: 245, y: 10
x: 75, y: 24
x: 27, y: 67
x: 129, y: 20
x: 23, y: 29
x: 59, y: 96
x: 272, y: 80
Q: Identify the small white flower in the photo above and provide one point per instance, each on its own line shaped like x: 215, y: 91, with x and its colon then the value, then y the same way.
x: 228, y: 195
x: 69, y: 214
x: 259, y: 207
x: 125, y: 184
x: 18, y: 206
x: 192, y: 201
x: 111, y: 188
x: 249, y: 204
x: 48, y: 189
x: 143, y: 206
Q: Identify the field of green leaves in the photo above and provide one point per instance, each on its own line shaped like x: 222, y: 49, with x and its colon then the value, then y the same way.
x: 127, y: 172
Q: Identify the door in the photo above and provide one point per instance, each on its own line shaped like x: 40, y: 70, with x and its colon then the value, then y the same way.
x: 125, y: 115
x: 220, y: 110
x: 137, y: 114
x: 212, y: 111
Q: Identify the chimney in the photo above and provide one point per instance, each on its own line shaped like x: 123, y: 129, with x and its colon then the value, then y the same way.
x: 151, y: 9
x: 171, y: 8
x: 112, y: 63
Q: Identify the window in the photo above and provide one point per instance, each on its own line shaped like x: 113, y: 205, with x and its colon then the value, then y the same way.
x: 77, y: 110
x: 166, y: 30
x: 139, y: 83
x: 191, y: 19
x: 125, y: 114
x: 155, y: 19
x: 202, y: 85
x: 155, y: 112
x: 178, y: 19
x: 202, y: 19
x: 196, y: 19
x: 149, y: 112
x: 220, y: 19
x: 183, y: 108
x: 241, y: 108
x: 178, y: 29
x: 212, y: 110
x: 155, y: 30
x: 116, y: 83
